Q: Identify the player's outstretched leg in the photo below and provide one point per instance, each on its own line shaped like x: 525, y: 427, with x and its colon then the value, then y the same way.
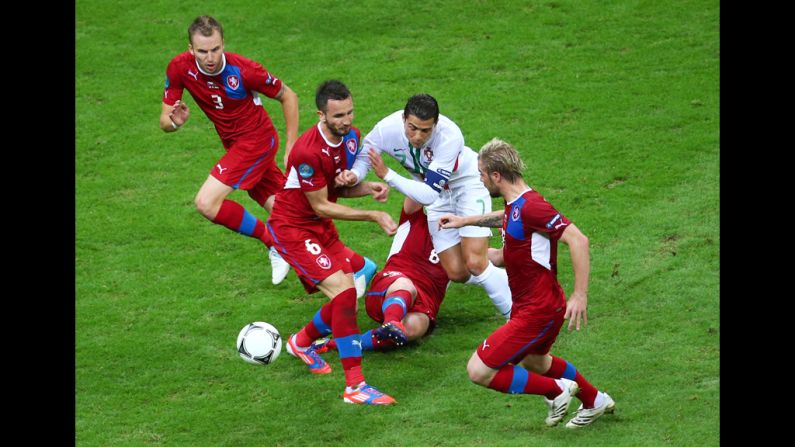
x: 308, y: 355
x: 585, y: 416
x: 366, y: 395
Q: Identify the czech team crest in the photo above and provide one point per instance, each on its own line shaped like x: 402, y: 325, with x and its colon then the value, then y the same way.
x: 351, y: 146
x: 324, y: 262
x: 233, y: 82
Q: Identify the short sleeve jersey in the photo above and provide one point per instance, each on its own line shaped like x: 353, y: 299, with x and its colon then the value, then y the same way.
x: 531, y: 229
x: 312, y: 164
x: 229, y: 99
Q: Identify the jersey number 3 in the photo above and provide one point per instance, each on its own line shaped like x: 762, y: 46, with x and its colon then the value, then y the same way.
x: 219, y: 103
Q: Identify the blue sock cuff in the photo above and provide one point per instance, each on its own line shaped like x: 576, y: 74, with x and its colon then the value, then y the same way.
x: 519, y: 380
x: 570, y: 372
x: 368, y: 270
x: 394, y: 300
x: 247, y: 224
x: 349, y: 346
x: 321, y: 325
x: 367, y: 341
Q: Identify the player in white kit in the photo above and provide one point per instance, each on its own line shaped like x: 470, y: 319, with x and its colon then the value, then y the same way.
x: 445, y: 178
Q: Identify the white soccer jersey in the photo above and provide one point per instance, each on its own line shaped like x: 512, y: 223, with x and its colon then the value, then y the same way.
x: 444, y: 153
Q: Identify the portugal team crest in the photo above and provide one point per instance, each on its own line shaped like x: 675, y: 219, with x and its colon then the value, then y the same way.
x: 515, y: 214
x: 428, y: 153
x: 324, y: 262
x: 233, y: 82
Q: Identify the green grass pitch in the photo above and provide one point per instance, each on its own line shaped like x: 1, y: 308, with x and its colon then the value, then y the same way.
x: 615, y: 108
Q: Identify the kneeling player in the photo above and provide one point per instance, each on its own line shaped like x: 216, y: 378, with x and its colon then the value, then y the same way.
x: 405, y: 296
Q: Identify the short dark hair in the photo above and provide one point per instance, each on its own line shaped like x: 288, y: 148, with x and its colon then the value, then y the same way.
x: 331, y: 89
x: 423, y: 106
x: 204, y: 25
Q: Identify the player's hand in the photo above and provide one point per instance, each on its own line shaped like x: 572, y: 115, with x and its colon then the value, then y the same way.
x: 385, y: 221
x: 451, y: 221
x: 379, y: 167
x: 576, y: 310
x: 180, y: 113
x: 380, y: 191
x: 345, y: 178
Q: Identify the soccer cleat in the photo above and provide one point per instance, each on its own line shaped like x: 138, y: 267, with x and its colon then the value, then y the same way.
x: 560, y: 405
x: 363, y: 276
x: 313, y: 360
x: 367, y: 395
x: 321, y: 345
x: 279, y: 267
x: 392, y: 330
x: 586, y: 416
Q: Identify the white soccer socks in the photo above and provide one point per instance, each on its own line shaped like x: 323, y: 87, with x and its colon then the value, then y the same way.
x: 494, y: 280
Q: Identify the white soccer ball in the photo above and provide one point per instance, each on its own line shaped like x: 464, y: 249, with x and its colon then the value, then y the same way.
x: 259, y: 343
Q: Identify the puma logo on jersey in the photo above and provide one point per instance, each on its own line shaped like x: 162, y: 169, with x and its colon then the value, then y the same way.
x: 485, y: 345
x: 220, y: 169
x: 195, y: 75
x: 553, y: 221
x: 325, y: 151
x: 308, y: 182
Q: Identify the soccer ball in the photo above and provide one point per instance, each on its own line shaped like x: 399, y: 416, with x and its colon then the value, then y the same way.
x: 259, y: 343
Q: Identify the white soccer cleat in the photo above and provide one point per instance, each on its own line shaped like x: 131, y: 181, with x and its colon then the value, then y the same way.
x: 560, y: 406
x: 361, y: 285
x: 586, y: 416
x: 363, y: 277
x: 279, y: 267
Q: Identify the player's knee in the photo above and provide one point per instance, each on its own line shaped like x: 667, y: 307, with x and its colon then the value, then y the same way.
x: 476, y: 264
x: 479, y: 373
x: 206, y: 207
x: 416, y: 325
x: 461, y: 275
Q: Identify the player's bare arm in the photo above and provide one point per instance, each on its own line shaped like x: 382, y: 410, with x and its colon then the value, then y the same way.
x: 379, y: 191
x: 493, y: 220
x: 318, y: 199
x: 173, y: 117
x: 580, y: 259
x: 289, y: 101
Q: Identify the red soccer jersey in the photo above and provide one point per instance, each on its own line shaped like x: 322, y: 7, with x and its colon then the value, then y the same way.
x: 531, y: 228
x: 229, y: 99
x: 413, y: 255
x: 312, y: 164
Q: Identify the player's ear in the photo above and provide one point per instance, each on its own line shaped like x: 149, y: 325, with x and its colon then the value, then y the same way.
x: 321, y: 116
